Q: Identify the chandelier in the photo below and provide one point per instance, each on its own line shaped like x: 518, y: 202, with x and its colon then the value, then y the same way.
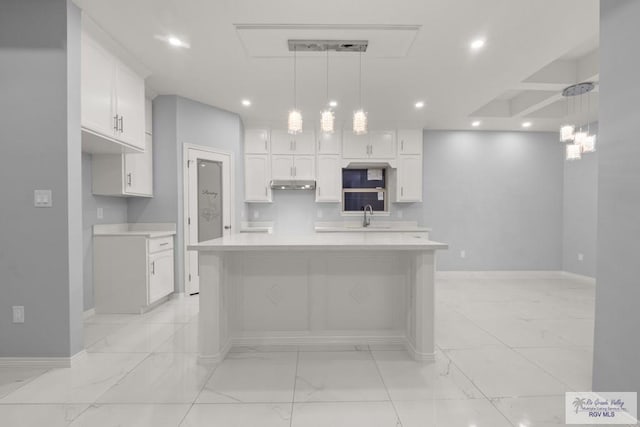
x: 578, y: 138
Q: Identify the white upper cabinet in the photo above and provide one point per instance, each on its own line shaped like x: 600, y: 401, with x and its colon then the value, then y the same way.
x: 130, y: 103
x: 374, y: 145
x: 257, y: 178
x: 284, y: 143
x: 382, y: 144
x: 139, y: 170
x: 98, y: 74
x: 288, y: 167
x: 256, y: 141
x: 409, y: 141
x: 355, y: 146
x: 330, y: 143
x: 113, y: 103
x: 148, y: 117
x: 409, y: 178
x: 329, y: 178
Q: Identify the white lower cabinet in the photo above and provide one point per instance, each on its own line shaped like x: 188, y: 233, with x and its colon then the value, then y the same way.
x: 131, y: 272
x: 329, y: 178
x: 257, y: 178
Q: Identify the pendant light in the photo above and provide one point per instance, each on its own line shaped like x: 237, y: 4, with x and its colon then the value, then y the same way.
x: 327, y: 118
x: 578, y: 139
x: 360, y: 116
x: 295, y: 117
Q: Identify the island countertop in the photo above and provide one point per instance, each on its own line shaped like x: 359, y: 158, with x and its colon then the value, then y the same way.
x: 398, y: 241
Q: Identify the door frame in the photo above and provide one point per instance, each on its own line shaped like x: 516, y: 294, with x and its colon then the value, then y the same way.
x: 185, y: 199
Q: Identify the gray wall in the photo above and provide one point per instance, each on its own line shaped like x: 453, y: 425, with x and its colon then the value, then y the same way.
x: 114, y: 211
x: 41, y: 254
x: 616, y: 346
x: 177, y: 121
x: 580, y: 214
x: 497, y: 196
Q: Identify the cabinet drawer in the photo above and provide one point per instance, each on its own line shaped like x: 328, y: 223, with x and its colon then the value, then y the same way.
x: 160, y: 244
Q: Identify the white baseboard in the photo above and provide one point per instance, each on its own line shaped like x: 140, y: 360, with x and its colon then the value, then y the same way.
x: 40, y: 362
x: 587, y: 279
x: 89, y: 313
x: 511, y: 274
x: 421, y: 357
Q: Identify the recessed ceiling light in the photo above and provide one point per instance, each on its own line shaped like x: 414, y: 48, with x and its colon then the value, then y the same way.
x: 173, y: 41
x: 246, y: 102
x: 333, y: 104
x: 419, y: 104
x: 476, y: 123
x: 526, y: 124
x: 477, y: 44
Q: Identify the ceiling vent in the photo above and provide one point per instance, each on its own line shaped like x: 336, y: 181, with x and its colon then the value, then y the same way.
x: 324, y: 45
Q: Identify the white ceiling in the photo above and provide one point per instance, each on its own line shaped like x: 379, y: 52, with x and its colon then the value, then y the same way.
x: 536, y: 46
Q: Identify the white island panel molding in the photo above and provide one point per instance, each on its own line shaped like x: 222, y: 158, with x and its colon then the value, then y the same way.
x: 333, y: 288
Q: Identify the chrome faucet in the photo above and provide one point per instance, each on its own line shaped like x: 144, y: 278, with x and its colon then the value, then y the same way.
x: 367, y: 221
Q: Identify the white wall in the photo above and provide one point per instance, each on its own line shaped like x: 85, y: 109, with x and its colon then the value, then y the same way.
x: 41, y: 251
x: 616, y: 346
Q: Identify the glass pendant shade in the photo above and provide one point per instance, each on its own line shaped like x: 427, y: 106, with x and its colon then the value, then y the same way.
x: 360, y: 122
x: 574, y: 152
x: 580, y: 138
x: 327, y: 120
x: 567, y: 133
x: 589, y: 144
x: 295, y: 122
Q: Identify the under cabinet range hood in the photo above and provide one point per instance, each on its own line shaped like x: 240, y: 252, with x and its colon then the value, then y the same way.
x: 281, y: 184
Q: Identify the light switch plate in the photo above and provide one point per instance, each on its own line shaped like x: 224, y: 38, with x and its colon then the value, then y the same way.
x: 18, y: 314
x: 42, y: 199
x: 100, y: 213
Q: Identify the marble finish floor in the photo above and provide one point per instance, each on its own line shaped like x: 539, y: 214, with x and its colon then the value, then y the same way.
x: 508, y: 346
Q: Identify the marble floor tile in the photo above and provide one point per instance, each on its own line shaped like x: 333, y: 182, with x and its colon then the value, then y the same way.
x: 39, y: 415
x: 571, y: 365
x: 544, y: 411
x: 161, y: 378
x: 501, y: 372
x: 111, y: 318
x: 523, y: 333
x: 239, y: 415
x: 94, y: 332
x: 90, y: 376
x: 407, y: 379
x: 462, y: 334
x: 450, y: 413
x: 131, y: 415
x: 13, y: 378
x: 136, y: 338
x: 185, y: 340
x: 344, y: 414
x: 338, y: 376
x: 263, y: 377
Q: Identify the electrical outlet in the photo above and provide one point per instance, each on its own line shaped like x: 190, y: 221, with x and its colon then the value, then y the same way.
x: 18, y: 314
x: 463, y: 254
x: 100, y: 213
x: 42, y: 199
x: 580, y: 257
x: 256, y: 214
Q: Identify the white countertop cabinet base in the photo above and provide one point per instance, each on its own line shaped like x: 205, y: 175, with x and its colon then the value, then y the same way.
x: 131, y: 273
x: 304, y: 297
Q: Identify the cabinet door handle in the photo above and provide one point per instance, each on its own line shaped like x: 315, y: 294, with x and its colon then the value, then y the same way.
x: 319, y: 191
x: 319, y: 144
x: 402, y: 145
x: 295, y: 171
x: 265, y: 191
x: 164, y: 244
x: 121, y: 124
x: 153, y: 268
x: 227, y: 227
x: 115, y: 123
x: 402, y: 191
x: 129, y: 179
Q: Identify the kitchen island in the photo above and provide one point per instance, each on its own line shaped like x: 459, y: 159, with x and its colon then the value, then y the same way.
x: 324, y: 288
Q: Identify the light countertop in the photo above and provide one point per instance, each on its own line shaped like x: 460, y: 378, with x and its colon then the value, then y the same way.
x: 150, y: 230
x: 375, y: 226
x: 321, y: 241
